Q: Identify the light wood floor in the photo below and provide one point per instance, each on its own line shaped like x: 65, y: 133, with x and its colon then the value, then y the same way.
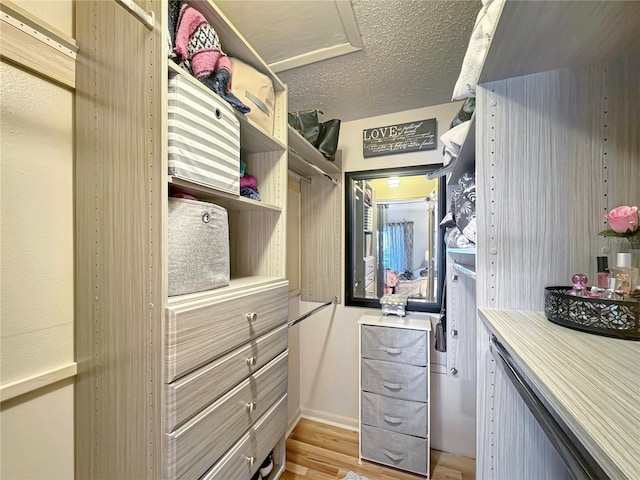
x: 323, y: 452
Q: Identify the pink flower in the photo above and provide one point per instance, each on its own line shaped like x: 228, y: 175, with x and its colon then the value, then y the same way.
x: 623, y: 219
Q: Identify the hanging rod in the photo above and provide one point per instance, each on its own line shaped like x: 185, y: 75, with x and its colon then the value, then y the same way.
x: 298, y: 176
x: 304, y: 316
x: 316, y: 168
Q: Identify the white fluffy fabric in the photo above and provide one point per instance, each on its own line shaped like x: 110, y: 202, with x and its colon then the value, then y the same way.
x: 454, y: 138
x: 480, y: 38
x: 354, y: 476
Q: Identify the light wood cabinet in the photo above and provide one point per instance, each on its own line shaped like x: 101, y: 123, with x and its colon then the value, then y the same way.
x: 555, y: 151
x: 190, y: 385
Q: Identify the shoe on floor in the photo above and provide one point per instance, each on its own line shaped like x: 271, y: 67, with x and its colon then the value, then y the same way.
x: 266, y: 467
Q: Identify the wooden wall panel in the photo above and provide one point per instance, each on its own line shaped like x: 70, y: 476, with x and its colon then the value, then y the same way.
x: 321, y: 220
x: 546, y: 179
x: 120, y: 193
x: 461, y: 319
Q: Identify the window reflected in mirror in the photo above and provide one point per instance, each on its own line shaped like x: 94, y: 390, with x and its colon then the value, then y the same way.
x: 394, y: 243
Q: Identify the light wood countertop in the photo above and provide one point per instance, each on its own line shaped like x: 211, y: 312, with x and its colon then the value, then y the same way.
x: 592, y: 382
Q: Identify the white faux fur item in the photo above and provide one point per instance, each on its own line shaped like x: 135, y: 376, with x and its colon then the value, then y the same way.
x: 453, y: 138
x: 354, y: 476
x: 478, y: 43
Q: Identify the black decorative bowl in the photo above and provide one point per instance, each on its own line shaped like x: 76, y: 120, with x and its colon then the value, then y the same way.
x: 611, y: 318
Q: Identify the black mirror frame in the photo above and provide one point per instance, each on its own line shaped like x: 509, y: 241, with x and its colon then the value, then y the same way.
x: 350, y: 300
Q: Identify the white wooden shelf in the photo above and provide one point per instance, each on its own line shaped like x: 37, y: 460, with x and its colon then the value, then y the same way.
x: 464, y: 161
x: 236, y: 285
x: 253, y: 138
x: 464, y: 251
x: 533, y: 37
x: 229, y: 201
x: 305, y: 159
x: 468, y: 270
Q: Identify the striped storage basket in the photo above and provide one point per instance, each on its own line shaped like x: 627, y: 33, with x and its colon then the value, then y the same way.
x: 204, y: 137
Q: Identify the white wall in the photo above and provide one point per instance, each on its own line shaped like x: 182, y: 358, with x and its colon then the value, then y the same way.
x: 36, y: 272
x: 329, y: 339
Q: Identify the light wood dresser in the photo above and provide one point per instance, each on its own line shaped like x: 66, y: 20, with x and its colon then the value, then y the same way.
x: 395, y: 391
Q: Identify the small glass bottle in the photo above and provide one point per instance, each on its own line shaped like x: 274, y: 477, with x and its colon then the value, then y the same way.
x: 603, y: 271
x: 626, y: 275
x: 611, y: 293
x: 579, y: 285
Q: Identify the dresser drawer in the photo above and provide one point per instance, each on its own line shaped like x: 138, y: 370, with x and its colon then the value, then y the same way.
x: 395, y: 380
x: 394, y: 449
x: 191, y: 393
x: 402, y: 416
x: 395, y: 344
x: 241, y: 462
x: 198, y: 444
x: 201, y: 331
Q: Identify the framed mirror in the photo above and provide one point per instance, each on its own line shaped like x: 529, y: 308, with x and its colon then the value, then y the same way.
x: 393, y: 242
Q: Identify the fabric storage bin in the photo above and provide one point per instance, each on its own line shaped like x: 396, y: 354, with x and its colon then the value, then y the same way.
x: 394, y: 449
x: 395, y: 380
x: 204, y: 136
x: 198, y: 246
x: 395, y: 345
x: 255, y: 89
x: 402, y: 416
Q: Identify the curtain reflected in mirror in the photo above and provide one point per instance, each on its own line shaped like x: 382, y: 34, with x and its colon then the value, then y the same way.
x: 394, y: 242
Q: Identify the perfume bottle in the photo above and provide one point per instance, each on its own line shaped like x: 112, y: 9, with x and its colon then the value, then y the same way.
x: 603, y: 271
x: 626, y: 275
x: 579, y: 285
x: 612, y: 293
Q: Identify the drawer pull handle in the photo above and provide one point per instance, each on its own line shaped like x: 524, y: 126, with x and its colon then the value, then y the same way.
x: 251, y: 406
x: 251, y: 361
x: 393, y: 350
x: 393, y: 456
x: 250, y: 460
x: 393, y: 386
x: 252, y: 316
x: 393, y: 420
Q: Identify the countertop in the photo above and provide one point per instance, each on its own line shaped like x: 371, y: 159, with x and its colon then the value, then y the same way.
x: 592, y: 382
x: 411, y: 321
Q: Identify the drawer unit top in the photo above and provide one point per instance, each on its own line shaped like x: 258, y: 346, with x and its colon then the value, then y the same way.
x: 395, y: 345
x: 191, y: 393
x: 198, y: 444
x: 199, y: 332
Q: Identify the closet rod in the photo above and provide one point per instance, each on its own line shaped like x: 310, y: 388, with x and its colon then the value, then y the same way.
x: 317, y: 169
x: 298, y: 176
x: 146, y: 18
x: 308, y: 314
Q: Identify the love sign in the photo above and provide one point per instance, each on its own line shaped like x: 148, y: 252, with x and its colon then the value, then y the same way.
x: 401, y: 138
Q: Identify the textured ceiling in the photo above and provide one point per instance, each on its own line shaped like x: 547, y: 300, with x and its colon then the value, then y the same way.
x: 412, y: 54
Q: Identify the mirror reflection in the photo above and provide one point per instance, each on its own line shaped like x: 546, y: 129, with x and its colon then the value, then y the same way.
x: 395, y: 243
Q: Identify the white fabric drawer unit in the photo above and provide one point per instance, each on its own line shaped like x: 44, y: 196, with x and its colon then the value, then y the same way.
x: 200, y: 331
x: 395, y: 380
x: 395, y: 449
x: 402, y: 416
x: 191, y: 450
x: 204, y: 136
x: 191, y: 393
x: 395, y: 391
x: 242, y: 460
x: 395, y: 345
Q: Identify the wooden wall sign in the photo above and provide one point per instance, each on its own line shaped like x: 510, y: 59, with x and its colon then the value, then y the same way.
x: 401, y: 138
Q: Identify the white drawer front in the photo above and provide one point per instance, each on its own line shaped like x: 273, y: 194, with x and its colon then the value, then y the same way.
x: 199, y: 443
x: 402, y: 416
x: 255, y: 444
x: 395, y: 344
x: 394, y: 380
x: 395, y: 449
x: 191, y: 393
x: 198, y: 333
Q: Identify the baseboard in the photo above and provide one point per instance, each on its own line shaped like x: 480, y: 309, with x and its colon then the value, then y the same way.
x: 292, y: 424
x: 330, y: 419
